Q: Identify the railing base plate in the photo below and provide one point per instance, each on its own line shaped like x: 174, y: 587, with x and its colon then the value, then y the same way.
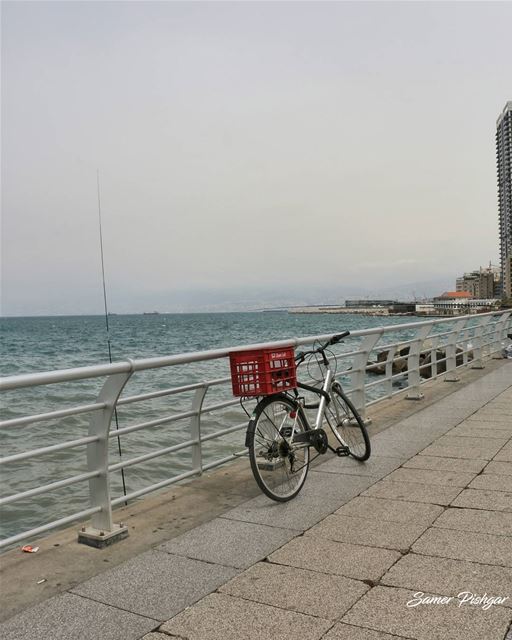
x: 101, y: 539
x: 415, y: 396
x: 452, y: 379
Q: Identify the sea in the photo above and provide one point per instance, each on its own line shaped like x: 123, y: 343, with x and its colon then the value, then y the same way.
x: 35, y: 344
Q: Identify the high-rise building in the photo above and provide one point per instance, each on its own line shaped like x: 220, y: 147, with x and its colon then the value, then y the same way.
x: 480, y: 284
x: 504, y: 161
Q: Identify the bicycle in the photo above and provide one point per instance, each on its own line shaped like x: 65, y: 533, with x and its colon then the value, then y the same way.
x: 279, y: 435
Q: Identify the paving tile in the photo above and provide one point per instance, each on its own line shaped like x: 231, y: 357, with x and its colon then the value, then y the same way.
x: 450, y: 577
x: 505, y: 455
x: 337, y: 558
x: 487, y: 500
x: 385, y: 510
x: 492, y: 416
x: 318, y: 498
x: 411, y: 431
x: 229, y: 542
x: 396, y: 448
x: 377, y: 466
x: 431, y: 476
x: 472, y: 448
x: 499, y: 468
x: 503, y: 405
x: 69, y: 616
x: 223, y: 617
x: 412, y: 492
x: 155, y: 584
x: 395, y: 535
x: 492, y: 482
x: 424, y: 426
x: 342, y: 631
x: 465, y: 545
x: 458, y: 402
x: 333, y: 488
x: 445, y: 464
x: 385, y: 609
x: 300, y: 513
x: 327, y: 596
x: 480, y: 430
x: 484, y: 415
x: 495, y: 522
x: 476, y: 443
x: 485, y: 422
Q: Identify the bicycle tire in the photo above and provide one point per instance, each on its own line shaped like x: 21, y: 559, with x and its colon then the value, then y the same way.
x: 347, y: 425
x: 279, y: 471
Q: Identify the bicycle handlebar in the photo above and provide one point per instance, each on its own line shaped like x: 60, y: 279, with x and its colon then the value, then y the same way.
x: 334, y: 340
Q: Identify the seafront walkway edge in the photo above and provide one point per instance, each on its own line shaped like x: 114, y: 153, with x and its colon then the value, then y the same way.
x: 430, y: 512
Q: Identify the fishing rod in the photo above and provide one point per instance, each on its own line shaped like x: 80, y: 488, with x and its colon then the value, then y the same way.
x: 106, y: 322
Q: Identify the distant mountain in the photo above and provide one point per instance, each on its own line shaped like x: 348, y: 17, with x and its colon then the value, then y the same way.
x: 259, y: 298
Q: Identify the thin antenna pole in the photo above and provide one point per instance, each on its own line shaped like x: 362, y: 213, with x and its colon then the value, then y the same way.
x: 106, y: 319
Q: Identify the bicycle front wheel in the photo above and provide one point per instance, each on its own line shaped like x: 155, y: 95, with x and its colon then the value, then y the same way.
x: 279, y: 466
x: 347, y: 425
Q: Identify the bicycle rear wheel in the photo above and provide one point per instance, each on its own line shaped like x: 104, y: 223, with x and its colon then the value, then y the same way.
x: 279, y: 467
x: 347, y: 425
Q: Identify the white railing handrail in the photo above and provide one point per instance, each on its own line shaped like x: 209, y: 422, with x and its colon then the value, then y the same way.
x: 486, y: 334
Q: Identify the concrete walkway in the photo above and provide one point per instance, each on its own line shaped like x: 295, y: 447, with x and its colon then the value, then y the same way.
x: 430, y: 512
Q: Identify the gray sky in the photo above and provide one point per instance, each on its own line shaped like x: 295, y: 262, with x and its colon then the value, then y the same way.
x: 244, y: 146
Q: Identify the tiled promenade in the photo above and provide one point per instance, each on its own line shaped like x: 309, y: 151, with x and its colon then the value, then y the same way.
x: 430, y: 512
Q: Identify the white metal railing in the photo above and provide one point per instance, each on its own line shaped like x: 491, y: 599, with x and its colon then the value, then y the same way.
x: 354, y: 367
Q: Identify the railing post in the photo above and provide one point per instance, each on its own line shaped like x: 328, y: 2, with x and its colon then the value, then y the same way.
x: 451, y: 352
x: 413, y: 363
x: 195, y: 428
x: 103, y: 531
x: 433, y: 356
x: 358, y: 377
x: 478, y: 343
x: 389, y: 370
x: 499, y: 335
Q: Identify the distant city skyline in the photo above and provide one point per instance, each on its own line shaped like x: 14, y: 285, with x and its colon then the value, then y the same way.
x: 302, y: 150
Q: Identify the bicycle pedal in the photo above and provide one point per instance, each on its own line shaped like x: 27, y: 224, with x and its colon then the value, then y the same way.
x: 342, y: 452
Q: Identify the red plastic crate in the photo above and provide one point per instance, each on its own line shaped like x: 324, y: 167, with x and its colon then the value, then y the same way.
x: 262, y: 372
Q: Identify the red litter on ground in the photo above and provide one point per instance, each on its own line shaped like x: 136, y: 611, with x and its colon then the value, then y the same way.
x: 29, y: 549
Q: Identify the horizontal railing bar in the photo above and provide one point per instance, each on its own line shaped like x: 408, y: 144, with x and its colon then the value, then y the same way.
x: 152, y: 423
x: 49, y: 487
x: 343, y: 355
x: 376, y: 383
x: 153, y: 487
x: 172, y: 391
x: 220, y: 405
x: 150, y: 456
x: 50, y: 415
x: 217, y: 463
x: 402, y: 343
x: 51, y: 525
x: 223, y: 432
x: 51, y: 449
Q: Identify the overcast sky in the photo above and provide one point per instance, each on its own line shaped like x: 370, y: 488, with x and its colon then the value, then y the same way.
x: 244, y: 146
